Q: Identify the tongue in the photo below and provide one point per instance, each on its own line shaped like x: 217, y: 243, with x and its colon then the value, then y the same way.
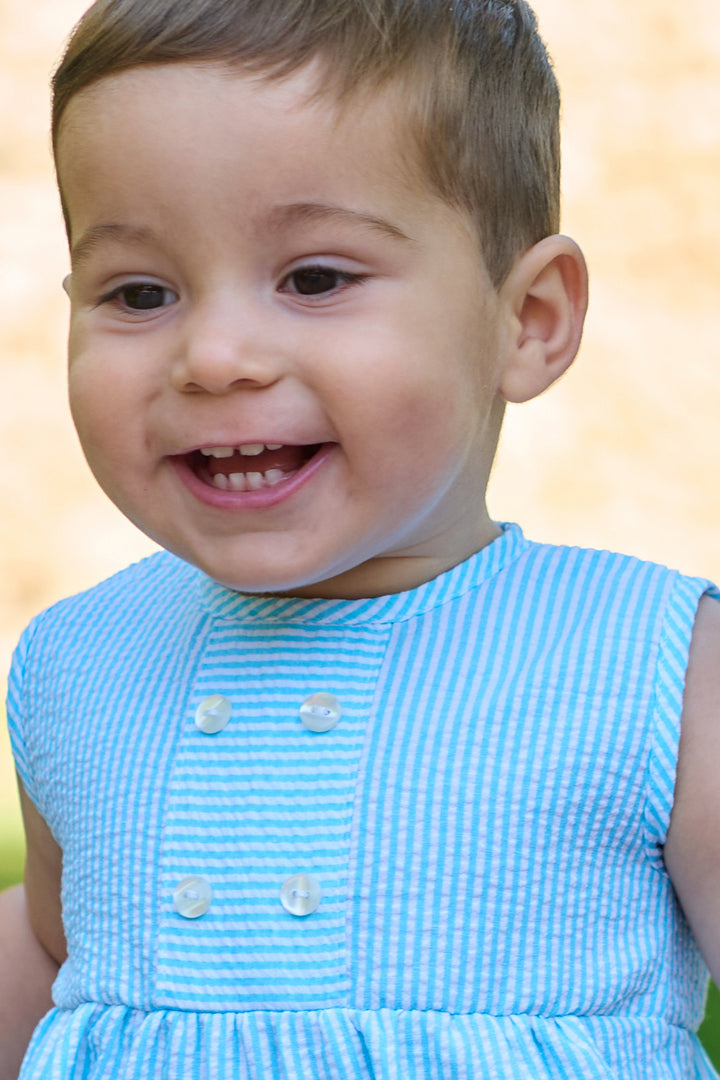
x: 287, y: 458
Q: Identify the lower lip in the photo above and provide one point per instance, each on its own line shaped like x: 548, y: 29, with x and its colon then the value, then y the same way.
x: 252, y: 500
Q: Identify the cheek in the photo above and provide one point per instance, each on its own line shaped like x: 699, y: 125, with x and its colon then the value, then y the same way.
x: 85, y: 402
x: 106, y: 382
x: 101, y: 409
x: 412, y: 441
x: 427, y: 402
x: 90, y: 398
x: 86, y: 378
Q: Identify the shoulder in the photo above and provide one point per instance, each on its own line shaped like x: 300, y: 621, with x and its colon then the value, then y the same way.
x: 612, y: 583
x: 133, y: 584
x: 149, y: 589
x: 94, y: 646
x: 150, y: 580
x: 589, y: 562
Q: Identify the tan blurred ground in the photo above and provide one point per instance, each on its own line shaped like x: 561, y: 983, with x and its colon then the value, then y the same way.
x: 623, y: 454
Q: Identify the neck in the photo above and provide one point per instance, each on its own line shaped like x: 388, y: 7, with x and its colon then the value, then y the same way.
x: 390, y: 574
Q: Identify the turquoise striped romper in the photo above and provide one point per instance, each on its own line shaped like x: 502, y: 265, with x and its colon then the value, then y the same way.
x: 411, y: 837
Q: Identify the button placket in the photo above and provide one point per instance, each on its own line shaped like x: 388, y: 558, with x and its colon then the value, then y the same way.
x: 258, y: 761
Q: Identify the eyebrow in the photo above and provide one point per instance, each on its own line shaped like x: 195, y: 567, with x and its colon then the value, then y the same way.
x: 113, y: 231
x: 278, y: 219
x: 310, y: 212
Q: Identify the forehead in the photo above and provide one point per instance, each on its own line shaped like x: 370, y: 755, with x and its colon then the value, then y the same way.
x: 184, y: 124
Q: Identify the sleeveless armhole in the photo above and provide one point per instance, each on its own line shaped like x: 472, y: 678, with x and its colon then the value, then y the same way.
x: 17, y: 718
x: 666, y: 716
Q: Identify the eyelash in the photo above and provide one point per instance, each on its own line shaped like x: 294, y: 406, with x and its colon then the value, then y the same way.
x: 149, y: 287
x: 343, y: 279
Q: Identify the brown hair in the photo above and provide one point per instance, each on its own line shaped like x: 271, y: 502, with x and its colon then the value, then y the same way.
x: 480, y: 90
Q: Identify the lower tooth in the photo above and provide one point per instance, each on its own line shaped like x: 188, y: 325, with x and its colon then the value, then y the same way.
x: 237, y: 481
x: 252, y: 481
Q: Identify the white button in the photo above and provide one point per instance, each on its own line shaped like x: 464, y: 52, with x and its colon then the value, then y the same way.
x: 192, y: 898
x: 301, y: 895
x: 213, y: 714
x: 320, y: 712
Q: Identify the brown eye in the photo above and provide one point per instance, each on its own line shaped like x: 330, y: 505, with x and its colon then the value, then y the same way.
x: 315, y: 280
x: 143, y: 297
x: 139, y: 296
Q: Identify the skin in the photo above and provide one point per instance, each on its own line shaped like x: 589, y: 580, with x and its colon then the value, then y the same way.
x: 178, y: 182
x: 692, y: 849
x: 397, y: 367
x: 26, y: 975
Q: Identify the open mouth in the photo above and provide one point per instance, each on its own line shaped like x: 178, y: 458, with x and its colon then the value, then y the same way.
x: 251, y: 466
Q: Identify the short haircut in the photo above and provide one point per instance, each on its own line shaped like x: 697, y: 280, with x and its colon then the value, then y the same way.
x: 479, y: 89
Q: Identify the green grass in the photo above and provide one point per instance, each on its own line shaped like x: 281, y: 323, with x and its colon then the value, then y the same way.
x: 11, y: 863
x: 12, y: 856
x: 710, y: 1028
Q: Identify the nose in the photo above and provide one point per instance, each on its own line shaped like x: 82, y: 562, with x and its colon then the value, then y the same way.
x: 225, y: 345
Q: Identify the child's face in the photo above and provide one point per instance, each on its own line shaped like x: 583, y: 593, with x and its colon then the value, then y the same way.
x: 250, y: 270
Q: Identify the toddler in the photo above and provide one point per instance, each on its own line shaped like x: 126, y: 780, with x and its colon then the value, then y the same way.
x: 350, y: 781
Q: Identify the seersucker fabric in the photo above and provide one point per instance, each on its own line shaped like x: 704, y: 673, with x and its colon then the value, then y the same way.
x: 460, y: 879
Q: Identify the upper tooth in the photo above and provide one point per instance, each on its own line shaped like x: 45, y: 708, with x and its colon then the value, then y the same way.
x: 247, y: 450
x: 218, y: 451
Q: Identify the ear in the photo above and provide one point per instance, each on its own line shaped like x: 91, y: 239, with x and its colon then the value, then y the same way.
x: 67, y: 283
x: 545, y: 296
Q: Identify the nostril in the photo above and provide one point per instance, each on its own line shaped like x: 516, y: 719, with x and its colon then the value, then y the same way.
x: 218, y: 363
x: 212, y: 384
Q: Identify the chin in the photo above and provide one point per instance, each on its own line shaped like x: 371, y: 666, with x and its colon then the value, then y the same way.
x: 262, y: 579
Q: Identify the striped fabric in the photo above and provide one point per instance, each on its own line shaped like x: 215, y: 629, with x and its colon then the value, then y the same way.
x: 485, y: 823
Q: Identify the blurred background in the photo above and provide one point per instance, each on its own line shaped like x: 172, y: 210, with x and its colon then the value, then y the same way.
x: 623, y: 454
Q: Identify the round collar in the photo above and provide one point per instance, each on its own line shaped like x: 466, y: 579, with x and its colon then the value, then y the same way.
x: 224, y: 603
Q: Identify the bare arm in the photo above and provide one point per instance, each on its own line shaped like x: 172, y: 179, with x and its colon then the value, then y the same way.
x: 32, y: 943
x: 26, y: 975
x: 692, y: 850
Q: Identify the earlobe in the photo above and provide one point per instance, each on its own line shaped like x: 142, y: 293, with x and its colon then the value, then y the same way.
x: 546, y: 295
